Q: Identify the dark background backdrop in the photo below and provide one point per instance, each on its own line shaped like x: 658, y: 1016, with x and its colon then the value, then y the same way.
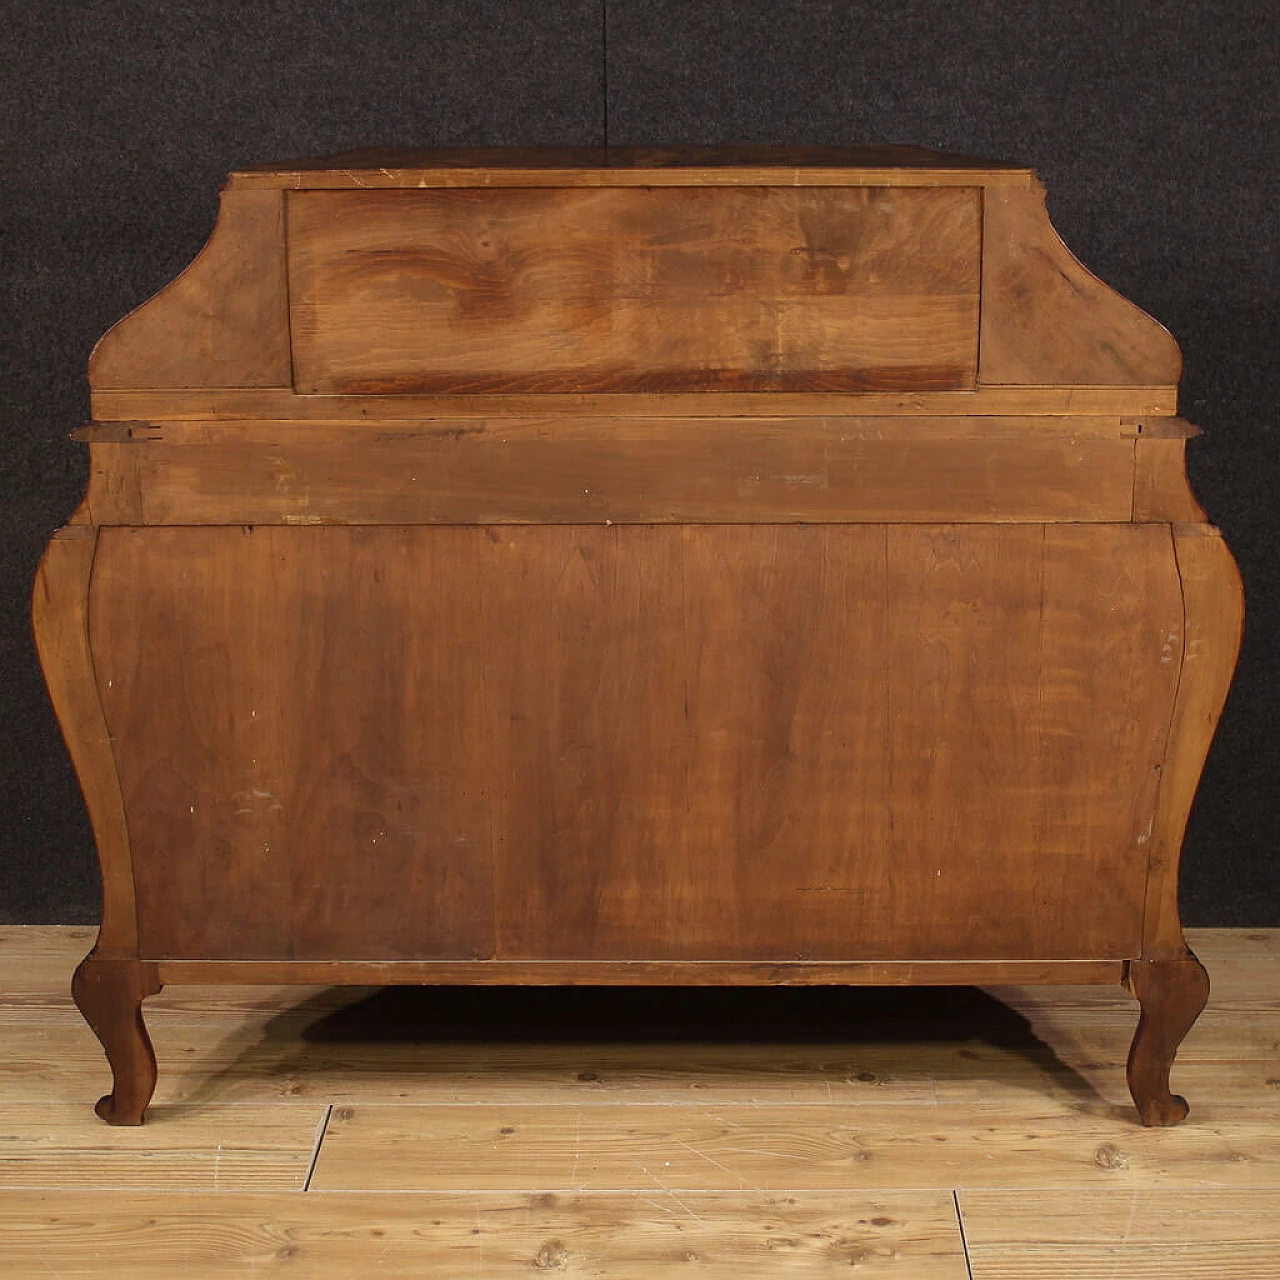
x: 1154, y: 125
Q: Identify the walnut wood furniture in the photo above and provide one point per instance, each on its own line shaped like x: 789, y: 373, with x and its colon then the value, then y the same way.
x: 638, y: 567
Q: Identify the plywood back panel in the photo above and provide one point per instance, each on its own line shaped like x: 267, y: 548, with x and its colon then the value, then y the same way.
x: 742, y: 289
x: 640, y: 742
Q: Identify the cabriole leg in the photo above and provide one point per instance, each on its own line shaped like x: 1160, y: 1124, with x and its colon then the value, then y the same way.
x: 1171, y: 994
x: 110, y: 994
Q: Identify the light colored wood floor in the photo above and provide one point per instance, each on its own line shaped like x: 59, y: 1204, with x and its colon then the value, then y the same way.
x: 912, y: 1134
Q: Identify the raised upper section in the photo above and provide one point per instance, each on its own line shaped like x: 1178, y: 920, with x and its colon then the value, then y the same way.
x: 634, y: 289
x: 638, y: 273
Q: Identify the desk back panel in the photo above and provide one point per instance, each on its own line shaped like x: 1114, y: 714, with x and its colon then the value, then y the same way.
x: 676, y: 289
x: 732, y: 742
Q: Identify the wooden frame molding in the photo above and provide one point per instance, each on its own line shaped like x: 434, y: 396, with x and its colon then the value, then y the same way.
x: 629, y: 973
x: 60, y: 602
x: 1213, y: 602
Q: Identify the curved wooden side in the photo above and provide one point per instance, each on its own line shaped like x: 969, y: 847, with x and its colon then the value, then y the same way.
x: 224, y: 322
x: 1213, y: 611
x: 1046, y: 319
x: 60, y: 617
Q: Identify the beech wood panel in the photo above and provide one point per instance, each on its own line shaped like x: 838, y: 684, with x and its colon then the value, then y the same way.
x: 224, y: 322
x: 668, y: 470
x: 1047, y: 319
x: 654, y: 742
x: 1161, y: 489
x: 1036, y: 699
x: 765, y: 289
x: 115, y: 489
x: 231, y: 404
x: 797, y: 764
x: 630, y: 428
x: 288, y: 737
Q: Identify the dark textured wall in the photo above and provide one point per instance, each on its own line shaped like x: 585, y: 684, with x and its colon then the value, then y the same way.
x: 1153, y: 124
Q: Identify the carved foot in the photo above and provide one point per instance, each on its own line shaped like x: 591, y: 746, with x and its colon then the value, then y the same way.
x: 110, y: 994
x: 1171, y: 994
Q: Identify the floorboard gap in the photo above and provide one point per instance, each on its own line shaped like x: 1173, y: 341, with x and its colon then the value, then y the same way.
x: 315, y: 1154
x: 964, y: 1243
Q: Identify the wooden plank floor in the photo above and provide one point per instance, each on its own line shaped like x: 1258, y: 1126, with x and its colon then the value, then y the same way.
x: 456, y: 1133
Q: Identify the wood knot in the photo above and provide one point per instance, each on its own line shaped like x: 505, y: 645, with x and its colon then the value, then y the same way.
x: 551, y: 1256
x: 1108, y: 1156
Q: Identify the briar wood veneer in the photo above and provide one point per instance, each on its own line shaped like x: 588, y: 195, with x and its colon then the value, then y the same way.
x: 627, y: 567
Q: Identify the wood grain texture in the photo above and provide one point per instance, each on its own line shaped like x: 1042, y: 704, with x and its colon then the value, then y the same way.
x: 1053, y: 1179
x: 295, y: 1044
x: 114, y: 495
x: 1041, y: 1144
x: 1083, y: 1033
x: 902, y: 1234
x: 753, y: 289
x: 1027, y: 740
x: 1213, y: 623
x: 182, y: 1148
x: 36, y: 958
x: 1161, y: 489
x: 635, y: 743
x: 232, y: 404
x: 1144, y: 1235
x: 368, y: 1051
x: 622, y: 471
x: 320, y: 815
x: 630, y: 973
x: 794, y: 761
x: 315, y: 429
x: 59, y: 611
x: 222, y: 323
x: 1046, y: 319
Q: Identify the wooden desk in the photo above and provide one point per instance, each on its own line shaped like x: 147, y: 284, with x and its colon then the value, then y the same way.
x: 638, y: 567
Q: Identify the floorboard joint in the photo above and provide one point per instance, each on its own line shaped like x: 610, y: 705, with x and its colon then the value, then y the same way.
x: 964, y: 1243
x: 315, y: 1154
